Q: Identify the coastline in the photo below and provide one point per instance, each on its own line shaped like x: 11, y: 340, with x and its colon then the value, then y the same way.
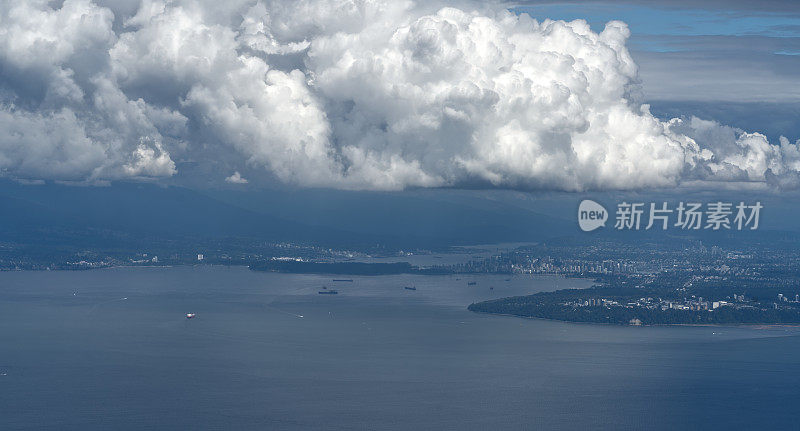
x: 709, y: 325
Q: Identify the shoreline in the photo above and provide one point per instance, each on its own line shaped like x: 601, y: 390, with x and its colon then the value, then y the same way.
x: 707, y: 325
x: 117, y: 266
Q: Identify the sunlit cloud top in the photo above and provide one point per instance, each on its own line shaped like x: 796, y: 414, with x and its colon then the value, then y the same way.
x: 379, y: 95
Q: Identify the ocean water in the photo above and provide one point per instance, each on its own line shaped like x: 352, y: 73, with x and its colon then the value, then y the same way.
x: 112, y: 350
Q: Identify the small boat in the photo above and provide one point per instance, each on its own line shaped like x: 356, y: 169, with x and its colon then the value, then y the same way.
x: 491, y: 288
x: 471, y: 283
x: 346, y: 280
x: 508, y: 279
x: 410, y: 288
x: 190, y: 315
x: 328, y: 292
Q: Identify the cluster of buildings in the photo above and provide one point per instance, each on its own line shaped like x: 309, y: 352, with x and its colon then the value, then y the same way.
x: 690, y: 304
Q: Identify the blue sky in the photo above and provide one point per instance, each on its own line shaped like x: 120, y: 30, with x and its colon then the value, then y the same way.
x: 649, y: 20
x: 703, y: 51
x: 400, y: 95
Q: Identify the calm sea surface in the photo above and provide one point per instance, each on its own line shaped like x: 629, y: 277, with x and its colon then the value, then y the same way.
x: 112, y: 350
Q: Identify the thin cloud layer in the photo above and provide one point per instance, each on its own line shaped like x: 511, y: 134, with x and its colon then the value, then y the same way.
x: 347, y: 94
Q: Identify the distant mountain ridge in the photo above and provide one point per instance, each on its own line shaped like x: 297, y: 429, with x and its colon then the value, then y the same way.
x: 125, y: 213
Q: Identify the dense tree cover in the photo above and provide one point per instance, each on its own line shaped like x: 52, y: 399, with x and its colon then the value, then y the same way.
x: 555, y: 305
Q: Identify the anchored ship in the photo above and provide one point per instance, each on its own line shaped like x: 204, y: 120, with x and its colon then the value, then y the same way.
x: 328, y: 292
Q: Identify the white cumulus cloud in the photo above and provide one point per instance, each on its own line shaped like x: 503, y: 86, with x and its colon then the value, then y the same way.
x: 354, y: 94
x: 236, y: 178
